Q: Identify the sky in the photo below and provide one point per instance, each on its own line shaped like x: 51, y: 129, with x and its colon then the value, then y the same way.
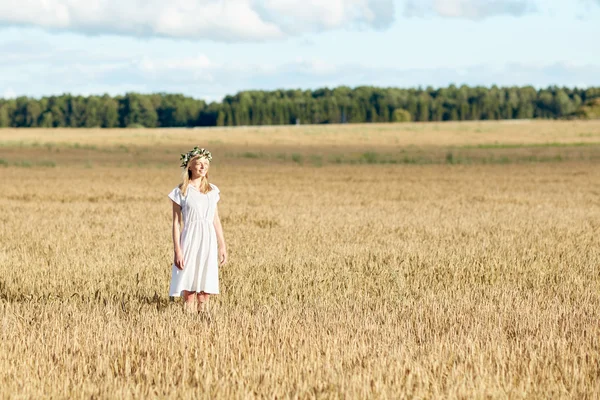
x: 210, y: 48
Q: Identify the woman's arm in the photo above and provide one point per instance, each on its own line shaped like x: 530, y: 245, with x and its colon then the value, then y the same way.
x: 220, y: 238
x: 177, y: 219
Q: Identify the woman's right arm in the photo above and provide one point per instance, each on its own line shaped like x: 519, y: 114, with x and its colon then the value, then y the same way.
x: 177, y: 219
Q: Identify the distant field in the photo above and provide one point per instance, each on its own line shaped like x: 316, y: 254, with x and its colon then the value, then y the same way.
x: 451, y: 260
x: 417, y: 143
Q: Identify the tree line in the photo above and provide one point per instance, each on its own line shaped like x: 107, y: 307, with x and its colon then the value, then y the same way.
x: 280, y: 107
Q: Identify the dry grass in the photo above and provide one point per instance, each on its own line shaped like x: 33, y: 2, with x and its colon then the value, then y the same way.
x: 445, y: 133
x: 345, y: 281
x: 442, y: 143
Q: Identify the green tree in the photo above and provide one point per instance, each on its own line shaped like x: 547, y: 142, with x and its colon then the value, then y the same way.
x: 57, y: 108
x: 46, y: 121
x: 563, y: 105
x: 4, y: 117
x: 32, y: 113
x: 91, y: 113
x: 108, y: 113
x: 401, y: 115
x: 423, y: 108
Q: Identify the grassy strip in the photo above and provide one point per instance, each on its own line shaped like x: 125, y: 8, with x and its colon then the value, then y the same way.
x: 28, y: 164
x: 60, y: 146
x: 528, y: 145
x: 450, y: 158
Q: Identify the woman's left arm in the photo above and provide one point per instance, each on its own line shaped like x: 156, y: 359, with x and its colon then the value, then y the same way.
x: 220, y: 238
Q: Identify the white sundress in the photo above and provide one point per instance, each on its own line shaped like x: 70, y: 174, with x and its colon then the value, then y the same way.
x: 198, y: 242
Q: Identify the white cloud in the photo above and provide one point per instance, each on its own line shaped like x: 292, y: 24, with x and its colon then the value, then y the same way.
x: 195, y: 68
x: 9, y: 93
x: 468, y: 9
x: 194, y: 63
x: 221, y: 20
x: 311, y: 66
x: 311, y: 15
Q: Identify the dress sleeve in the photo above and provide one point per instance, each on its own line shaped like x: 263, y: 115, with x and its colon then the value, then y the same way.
x: 217, y: 191
x: 175, y: 195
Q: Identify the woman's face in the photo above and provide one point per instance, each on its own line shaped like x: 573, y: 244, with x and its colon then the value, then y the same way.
x: 199, y: 166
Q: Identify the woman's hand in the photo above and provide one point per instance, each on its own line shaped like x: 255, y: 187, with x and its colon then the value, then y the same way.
x: 222, y: 256
x: 178, y: 260
x: 220, y: 238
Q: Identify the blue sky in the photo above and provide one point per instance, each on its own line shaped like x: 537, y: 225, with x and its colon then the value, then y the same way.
x: 210, y: 48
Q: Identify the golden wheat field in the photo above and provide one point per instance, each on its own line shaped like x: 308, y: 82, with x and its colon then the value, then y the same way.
x: 449, y: 260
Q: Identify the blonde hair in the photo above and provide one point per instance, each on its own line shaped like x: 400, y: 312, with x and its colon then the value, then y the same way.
x: 186, y: 175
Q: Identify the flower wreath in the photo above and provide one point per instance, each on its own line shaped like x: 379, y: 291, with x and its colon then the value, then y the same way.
x: 186, y: 157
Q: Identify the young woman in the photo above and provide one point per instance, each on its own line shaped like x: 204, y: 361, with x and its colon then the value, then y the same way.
x: 199, y: 249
